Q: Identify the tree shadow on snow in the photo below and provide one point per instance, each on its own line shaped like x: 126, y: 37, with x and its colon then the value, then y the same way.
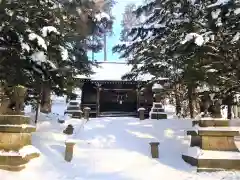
x: 134, y: 135
x: 52, y: 159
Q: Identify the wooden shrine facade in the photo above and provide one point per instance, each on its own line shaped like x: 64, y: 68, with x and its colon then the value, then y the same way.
x: 120, y: 97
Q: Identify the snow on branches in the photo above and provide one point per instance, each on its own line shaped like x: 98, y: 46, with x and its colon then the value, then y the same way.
x: 198, y: 39
x: 178, y: 38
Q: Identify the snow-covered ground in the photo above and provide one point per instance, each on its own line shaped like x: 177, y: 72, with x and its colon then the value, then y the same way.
x: 112, y: 148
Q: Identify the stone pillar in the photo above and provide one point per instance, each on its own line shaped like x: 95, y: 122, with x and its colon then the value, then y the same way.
x: 86, y: 112
x: 141, y: 113
x: 154, y: 149
x: 69, y: 151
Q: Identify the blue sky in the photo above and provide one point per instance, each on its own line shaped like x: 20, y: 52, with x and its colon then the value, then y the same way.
x: 114, y: 39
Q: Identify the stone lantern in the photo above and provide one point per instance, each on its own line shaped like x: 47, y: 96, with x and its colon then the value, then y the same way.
x: 157, y: 90
x: 157, y: 110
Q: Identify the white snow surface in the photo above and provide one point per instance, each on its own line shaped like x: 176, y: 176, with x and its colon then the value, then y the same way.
x: 237, y: 11
x: 210, y: 119
x: 64, y: 53
x: 114, y: 148
x: 157, y: 86
x: 102, y: 15
x: 41, y: 42
x: 216, y: 13
x: 113, y: 71
x: 48, y: 29
x: 28, y: 150
x: 198, y: 39
x: 39, y: 57
x: 196, y: 152
x: 218, y: 3
x: 25, y: 46
x: 212, y: 70
x: 219, y: 128
x: 17, y: 125
x: 236, y: 37
x: 141, y: 109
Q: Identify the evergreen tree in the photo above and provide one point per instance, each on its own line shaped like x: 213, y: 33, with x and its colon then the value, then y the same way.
x: 183, y: 40
x: 46, y: 41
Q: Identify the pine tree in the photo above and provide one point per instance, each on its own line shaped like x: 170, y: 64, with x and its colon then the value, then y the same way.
x: 178, y: 41
x: 44, y: 42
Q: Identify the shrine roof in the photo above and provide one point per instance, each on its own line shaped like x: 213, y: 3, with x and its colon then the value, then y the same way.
x: 113, y: 71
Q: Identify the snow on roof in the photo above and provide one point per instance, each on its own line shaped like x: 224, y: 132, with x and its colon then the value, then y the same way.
x: 113, y: 71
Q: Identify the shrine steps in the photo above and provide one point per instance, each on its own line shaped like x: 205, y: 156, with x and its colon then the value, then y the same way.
x: 118, y: 114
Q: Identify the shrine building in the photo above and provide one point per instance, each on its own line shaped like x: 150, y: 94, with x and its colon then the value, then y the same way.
x: 108, y: 95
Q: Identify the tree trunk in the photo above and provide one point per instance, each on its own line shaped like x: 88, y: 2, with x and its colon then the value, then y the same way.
x: 46, y: 100
x: 105, y: 46
x: 177, y: 99
x: 191, y: 100
x: 229, y: 111
x: 229, y: 103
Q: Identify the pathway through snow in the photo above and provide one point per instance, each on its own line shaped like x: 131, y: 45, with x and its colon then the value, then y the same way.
x: 114, y: 149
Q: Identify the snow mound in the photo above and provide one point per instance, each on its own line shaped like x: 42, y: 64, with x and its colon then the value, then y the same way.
x: 102, y: 15
x: 194, y: 152
x: 28, y: 150
x: 219, y: 3
x: 25, y: 151
x: 198, y: 39
x: 49, y: 29
x: 198, y: 153
x: 40, y: 40
x: 141, y: 109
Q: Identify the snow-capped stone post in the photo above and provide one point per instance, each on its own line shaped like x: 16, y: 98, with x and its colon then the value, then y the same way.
x: 86, y: 112
x: 141, y: 113
x: 154, y: 149
x: 69, y: 150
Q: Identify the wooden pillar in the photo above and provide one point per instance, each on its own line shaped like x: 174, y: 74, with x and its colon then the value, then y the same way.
x: 137, y: 91
x: 98, y: 88
x: 81, y: 87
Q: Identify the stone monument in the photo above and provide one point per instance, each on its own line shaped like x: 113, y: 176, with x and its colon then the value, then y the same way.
x: 211, y: 113
x: 15, y: 132
x: 212, y: 142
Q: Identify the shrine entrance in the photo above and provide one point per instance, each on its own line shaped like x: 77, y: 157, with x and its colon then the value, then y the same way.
x: 118, y: 100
